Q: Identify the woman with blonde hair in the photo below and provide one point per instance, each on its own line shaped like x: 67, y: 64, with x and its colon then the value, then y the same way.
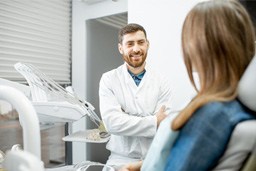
x: 218, y: 43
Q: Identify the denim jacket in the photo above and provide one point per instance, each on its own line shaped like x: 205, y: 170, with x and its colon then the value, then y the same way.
x: 203, y: 139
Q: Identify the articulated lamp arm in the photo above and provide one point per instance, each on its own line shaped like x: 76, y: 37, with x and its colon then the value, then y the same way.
x: 28, y: 119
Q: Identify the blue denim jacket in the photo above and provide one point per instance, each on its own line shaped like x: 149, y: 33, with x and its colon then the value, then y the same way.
x: 203, y: 139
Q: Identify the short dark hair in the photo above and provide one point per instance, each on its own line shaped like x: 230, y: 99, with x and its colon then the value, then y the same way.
x: 130, y: 28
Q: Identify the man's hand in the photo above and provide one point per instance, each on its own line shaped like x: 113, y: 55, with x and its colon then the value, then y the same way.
x: 136, y: 166
x: 161, y: 115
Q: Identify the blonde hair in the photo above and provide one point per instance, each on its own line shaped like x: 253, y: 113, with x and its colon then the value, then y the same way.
x: 218, y: 41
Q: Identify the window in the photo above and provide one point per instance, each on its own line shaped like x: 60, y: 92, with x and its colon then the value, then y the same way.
x: 36, y: 32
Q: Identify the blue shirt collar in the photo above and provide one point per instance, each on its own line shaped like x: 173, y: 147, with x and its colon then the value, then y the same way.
x: 137, y: 78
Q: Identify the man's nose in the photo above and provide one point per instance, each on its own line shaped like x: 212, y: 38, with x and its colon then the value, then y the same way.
x: 136, y: 48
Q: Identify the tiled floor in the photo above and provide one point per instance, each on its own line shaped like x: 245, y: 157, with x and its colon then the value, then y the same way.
x: 52, y: 146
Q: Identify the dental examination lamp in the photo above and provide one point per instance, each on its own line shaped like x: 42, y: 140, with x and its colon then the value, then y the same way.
x: 50, y: 99
x: 53, y: 103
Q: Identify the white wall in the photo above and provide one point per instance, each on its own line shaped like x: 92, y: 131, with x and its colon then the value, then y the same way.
x: 80, y: 13
x: 163, y: 21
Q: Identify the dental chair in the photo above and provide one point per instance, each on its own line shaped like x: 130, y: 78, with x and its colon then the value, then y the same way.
x: 241, y: 151
x: 240, y: 154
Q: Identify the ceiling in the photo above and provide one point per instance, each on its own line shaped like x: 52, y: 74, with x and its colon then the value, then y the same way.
x: 89, y: 2
x: 117, y: 21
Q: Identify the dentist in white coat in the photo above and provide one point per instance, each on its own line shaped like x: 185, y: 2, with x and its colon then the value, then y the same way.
x: 134, y: 99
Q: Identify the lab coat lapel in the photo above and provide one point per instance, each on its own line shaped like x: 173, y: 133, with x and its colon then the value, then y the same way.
x: 129, y: 80
x: 145, y: 77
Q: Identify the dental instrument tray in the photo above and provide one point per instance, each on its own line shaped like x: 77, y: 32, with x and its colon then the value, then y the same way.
x: 53, y: 103
x: 84, y: 166
x: 89, y: 135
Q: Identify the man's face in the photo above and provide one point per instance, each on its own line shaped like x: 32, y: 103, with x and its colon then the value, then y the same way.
x: 134, y: 48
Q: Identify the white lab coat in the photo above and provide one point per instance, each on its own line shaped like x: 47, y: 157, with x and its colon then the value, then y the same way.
x: 128, y: 112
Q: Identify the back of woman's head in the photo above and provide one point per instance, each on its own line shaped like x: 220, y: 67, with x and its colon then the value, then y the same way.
x: 218, y: 42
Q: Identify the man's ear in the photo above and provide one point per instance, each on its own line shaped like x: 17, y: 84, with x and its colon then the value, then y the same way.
x: 120, y: 48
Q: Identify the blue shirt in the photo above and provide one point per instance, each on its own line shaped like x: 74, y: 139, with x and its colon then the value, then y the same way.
x: 137, y: 78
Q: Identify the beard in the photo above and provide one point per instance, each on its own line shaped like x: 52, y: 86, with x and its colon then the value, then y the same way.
x: 135, y: 60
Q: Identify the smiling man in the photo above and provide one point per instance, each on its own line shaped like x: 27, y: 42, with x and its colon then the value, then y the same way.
x: 134, y: 99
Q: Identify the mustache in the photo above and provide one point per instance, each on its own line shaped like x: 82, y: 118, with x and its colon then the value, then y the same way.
x: 136, y: 53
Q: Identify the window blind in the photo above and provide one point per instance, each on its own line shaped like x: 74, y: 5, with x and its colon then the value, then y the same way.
x: 36, y: 32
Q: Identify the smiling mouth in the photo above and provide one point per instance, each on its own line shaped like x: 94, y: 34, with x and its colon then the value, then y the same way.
x: 136, y: 57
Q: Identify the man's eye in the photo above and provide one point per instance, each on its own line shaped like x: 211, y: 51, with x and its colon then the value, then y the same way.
x: 141, y: 42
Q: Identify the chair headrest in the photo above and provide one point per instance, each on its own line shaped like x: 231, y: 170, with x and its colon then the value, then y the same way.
x: 246, y: 86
